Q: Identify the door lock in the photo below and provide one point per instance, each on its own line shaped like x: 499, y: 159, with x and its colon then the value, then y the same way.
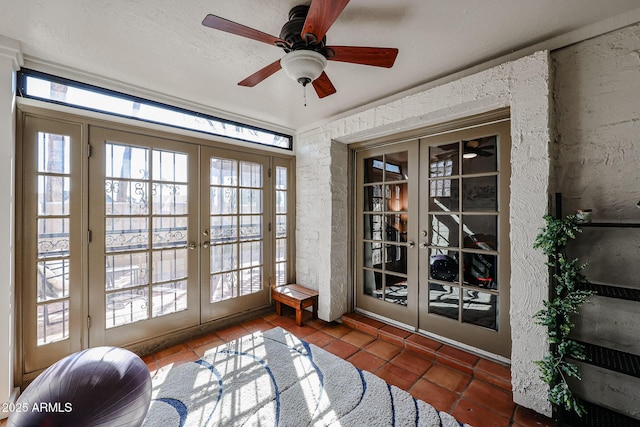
x: 206, y: 244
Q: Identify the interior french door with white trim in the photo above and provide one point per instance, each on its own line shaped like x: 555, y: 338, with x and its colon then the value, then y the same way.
x: 144, y: 236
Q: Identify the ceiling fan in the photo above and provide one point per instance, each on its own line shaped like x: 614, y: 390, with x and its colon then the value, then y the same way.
x: 304, y: 42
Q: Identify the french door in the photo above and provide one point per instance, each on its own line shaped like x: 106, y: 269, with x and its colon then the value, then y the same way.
x: 236, y: 236
x: 129, y: 236
x: 387, y: 211
x: 432, y: 228
x: 182, y: 238
x: 464, y: 248
x: 143, y: 254
x: 52, y: 241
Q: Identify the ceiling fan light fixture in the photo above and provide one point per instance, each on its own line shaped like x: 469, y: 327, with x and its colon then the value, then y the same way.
x: 303, y: 66
x: 470, y: 155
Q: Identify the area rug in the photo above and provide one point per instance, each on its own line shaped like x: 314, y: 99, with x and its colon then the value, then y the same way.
x: 275, y: 379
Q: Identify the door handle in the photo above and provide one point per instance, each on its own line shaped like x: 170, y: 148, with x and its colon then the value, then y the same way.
x: 423, y: 245
x: 206, y: 244
x: 191, y: 246
x: 410, y: 243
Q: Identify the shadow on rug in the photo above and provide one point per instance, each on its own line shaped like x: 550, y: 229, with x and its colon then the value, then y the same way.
x: 275, y: 379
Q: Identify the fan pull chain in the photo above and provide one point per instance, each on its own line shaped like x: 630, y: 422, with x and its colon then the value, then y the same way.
x: 304, y: 94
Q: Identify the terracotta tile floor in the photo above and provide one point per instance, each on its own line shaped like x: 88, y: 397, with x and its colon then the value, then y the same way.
x: 474, y: 390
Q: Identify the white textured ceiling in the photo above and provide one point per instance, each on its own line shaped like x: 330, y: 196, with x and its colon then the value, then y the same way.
x: 160, y: 45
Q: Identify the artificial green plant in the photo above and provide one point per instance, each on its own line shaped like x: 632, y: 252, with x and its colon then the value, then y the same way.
x: 565, y: 301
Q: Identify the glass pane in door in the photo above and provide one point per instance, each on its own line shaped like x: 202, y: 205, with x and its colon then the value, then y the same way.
x: 53, y: 239
x: 282, y: 257
x: 463, y: 249
x: 384, y: 219
x: 126, y: 199
x: 480, y: 194
x: 373, y: 169
x: 145, y: 233
x: 236, y: 222
x: 444, y: 230
x: 444, y: 300
x: 484, y: 152
x: 169, y: 232
x: 480, y: 309
x: 443, y: 160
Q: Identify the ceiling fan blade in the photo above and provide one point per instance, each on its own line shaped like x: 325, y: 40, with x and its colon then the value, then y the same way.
x: 218, y: 23
x: 323, y: 86
x: 322, y: 14
x: 261, y: 74
x: 376, y: 56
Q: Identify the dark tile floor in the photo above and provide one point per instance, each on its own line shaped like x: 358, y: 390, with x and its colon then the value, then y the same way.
x: 473, y: 389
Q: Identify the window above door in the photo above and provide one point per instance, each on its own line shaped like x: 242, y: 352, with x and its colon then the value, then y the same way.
x: 49, y: 88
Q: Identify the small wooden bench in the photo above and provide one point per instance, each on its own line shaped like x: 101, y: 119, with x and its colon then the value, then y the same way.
x: 295, y: 296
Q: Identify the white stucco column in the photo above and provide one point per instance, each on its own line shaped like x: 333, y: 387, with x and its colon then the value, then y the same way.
x: 322, y: 226
x: 10, y: 62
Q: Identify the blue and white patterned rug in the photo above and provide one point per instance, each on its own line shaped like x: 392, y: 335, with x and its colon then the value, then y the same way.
x: 275, y: 379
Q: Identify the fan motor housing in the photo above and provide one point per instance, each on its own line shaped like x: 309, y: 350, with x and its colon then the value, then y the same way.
x: 292, y: 29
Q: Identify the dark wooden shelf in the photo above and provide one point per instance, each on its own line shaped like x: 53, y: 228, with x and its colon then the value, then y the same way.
x: 607, y: 358
x: 611, y: 224
x: 613, y: 360
x: 612, y: 291
x: 597, y: 416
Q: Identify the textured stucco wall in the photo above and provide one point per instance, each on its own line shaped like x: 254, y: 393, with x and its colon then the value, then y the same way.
x: 322, y: 238
x: 322, y: 197
x: 597, y: 87
x: 339, y: 227
x: 530, y: 169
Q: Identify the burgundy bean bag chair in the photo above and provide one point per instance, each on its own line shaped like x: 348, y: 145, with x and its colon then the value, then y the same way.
x: 104, y: 386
